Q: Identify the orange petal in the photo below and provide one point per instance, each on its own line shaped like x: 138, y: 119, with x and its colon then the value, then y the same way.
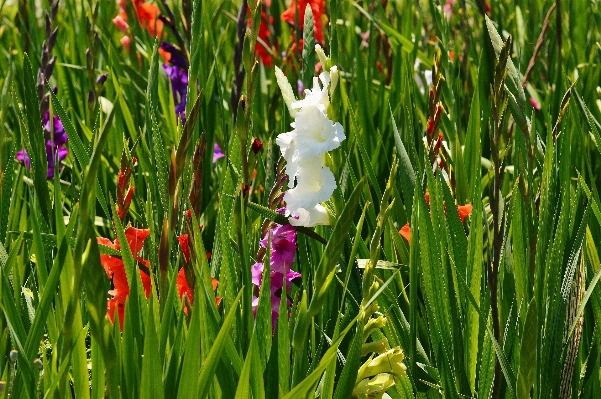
x: 464, y: 211
x: 405, y: 231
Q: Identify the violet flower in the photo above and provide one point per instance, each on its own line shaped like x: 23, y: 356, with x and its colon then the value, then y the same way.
x: 56, y: 142
x: 217, y: 153
x: 179, y: 85
x: 282, y: 240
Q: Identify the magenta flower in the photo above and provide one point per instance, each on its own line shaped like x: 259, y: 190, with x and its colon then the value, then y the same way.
x: 282, y: 240
x: 56, y: 142
x: 217, y: 152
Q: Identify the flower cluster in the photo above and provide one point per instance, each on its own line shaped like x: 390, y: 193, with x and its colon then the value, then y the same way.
x: 305, y: 147
x: 56, y: 144
x: 183, y: 288
x: 385, y: 369
x: 282, y: 243
x: 299, y: 7
x: 115, y: 270
x: 147, y: 16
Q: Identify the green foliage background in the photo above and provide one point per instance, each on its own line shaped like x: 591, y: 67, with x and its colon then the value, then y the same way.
x: 436, y: 293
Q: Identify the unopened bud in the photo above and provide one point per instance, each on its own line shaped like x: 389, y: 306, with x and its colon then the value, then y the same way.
x: 256, y: 145
x: 91, y: 96
x: 49, y: 68
x: 54, y: 10
x: 13, y: 355
x: 38, y: 363
x: 52, y: 39
x: 48, y: 25
x: 374, y: 347
x: 101, y: 79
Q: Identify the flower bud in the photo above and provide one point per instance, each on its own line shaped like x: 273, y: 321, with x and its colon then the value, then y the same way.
x: 375, y: 347
x: 121, y: 23
x: 374, y: 388
x: 373, y: 325
x: 101, y: 79
x: 38, y: 363
x: 389, y: 362
x: 256, y: 145
x: 13, y: 355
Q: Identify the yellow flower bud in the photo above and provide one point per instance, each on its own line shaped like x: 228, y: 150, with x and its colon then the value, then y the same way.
x: 373, y: 325
x: 373, y: 388
x: 389, y: 362
x: 375, y: 347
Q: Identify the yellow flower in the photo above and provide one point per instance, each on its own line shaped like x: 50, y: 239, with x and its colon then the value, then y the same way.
x: 389, y: 362
x: 373, y: 388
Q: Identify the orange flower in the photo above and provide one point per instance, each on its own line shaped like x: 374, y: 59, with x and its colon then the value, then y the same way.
x: 115, y: 271
x: 184, y: 289
x: 148, y: 16
x: 464, y: 211
x: 405, y: 231
x: 318, y: 9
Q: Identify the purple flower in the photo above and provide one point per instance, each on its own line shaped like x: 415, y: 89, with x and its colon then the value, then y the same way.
x: 179, y: 85
x: 282, y: 243
x: 283, y: 247
x: 56, y: 141
x: 177, y: 58
x: 217, y: 152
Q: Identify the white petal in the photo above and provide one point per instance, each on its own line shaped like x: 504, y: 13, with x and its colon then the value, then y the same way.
x: 314, y: 184
x: 310, y: 217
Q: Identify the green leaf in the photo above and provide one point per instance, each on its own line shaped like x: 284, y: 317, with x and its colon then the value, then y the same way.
x: 527, y: 368
x: 333, y: 250
x: 207, y: 372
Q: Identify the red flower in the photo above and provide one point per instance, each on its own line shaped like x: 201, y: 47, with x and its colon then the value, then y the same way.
x: 318, y: 9
x: 264, y: 35
x: 184, y: 242
x: 184, y: 289
x: 405, y: 231
x: 464, y: 211
x: 115, y: 270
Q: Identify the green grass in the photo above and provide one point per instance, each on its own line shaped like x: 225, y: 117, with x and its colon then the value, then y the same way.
x: 503, y: 304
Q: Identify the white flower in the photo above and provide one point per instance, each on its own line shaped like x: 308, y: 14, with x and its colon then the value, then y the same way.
x: 314, y: 134
x: 315, y: 183
x: 317, y: 96
x: 309, y: 217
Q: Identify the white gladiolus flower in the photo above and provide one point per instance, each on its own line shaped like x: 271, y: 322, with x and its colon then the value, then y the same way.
x: 309, y: 217
x: 314, y: 134
x: 314, y: 184
x: 304, y: 148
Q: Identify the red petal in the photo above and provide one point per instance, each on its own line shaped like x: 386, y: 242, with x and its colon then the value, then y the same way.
x: 464, y: 211
x: 135, y: 238
x: 184, y: 242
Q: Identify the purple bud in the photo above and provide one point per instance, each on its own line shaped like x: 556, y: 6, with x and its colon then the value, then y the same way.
x: 101, y: 79
x: 54, y: 10
x: 300, y: 87
x: 52, y: 39
x: 90, y: 96
x: 48, y: 25
x: 49, y: 68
